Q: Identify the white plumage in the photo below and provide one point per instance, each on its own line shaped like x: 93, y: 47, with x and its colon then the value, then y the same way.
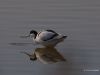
x: 47, y: 37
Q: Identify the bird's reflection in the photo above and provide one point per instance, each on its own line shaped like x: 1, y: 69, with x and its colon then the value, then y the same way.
x: 46, y: 55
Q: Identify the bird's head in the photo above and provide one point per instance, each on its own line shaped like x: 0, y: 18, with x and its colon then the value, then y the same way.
x: 33, y: 33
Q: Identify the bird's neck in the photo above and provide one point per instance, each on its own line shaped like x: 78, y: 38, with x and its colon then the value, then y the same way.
x: 35, y: 34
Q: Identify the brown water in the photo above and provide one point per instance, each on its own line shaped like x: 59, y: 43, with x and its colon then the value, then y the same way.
x: 79, y: 19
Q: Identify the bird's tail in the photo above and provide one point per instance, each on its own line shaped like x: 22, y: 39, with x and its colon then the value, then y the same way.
x: 64, y: 37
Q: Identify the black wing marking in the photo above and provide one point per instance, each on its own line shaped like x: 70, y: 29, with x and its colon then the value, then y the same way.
x: 50, y: 37
x: 51, y: 31
x: 55, y: 34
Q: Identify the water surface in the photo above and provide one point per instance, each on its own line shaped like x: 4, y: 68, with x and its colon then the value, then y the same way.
x: 79, y: 19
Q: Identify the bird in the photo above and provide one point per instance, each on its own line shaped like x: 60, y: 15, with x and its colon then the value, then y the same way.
x: 47, y: 38
x: 46, y: 55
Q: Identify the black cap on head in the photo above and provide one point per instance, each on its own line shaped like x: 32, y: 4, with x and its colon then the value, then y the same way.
x: 33, y: 32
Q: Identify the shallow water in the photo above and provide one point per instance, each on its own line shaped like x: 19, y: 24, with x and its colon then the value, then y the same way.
x: 79, y: 19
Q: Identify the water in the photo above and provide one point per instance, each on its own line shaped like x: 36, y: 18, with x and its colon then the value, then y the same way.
x: 79, y: 19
